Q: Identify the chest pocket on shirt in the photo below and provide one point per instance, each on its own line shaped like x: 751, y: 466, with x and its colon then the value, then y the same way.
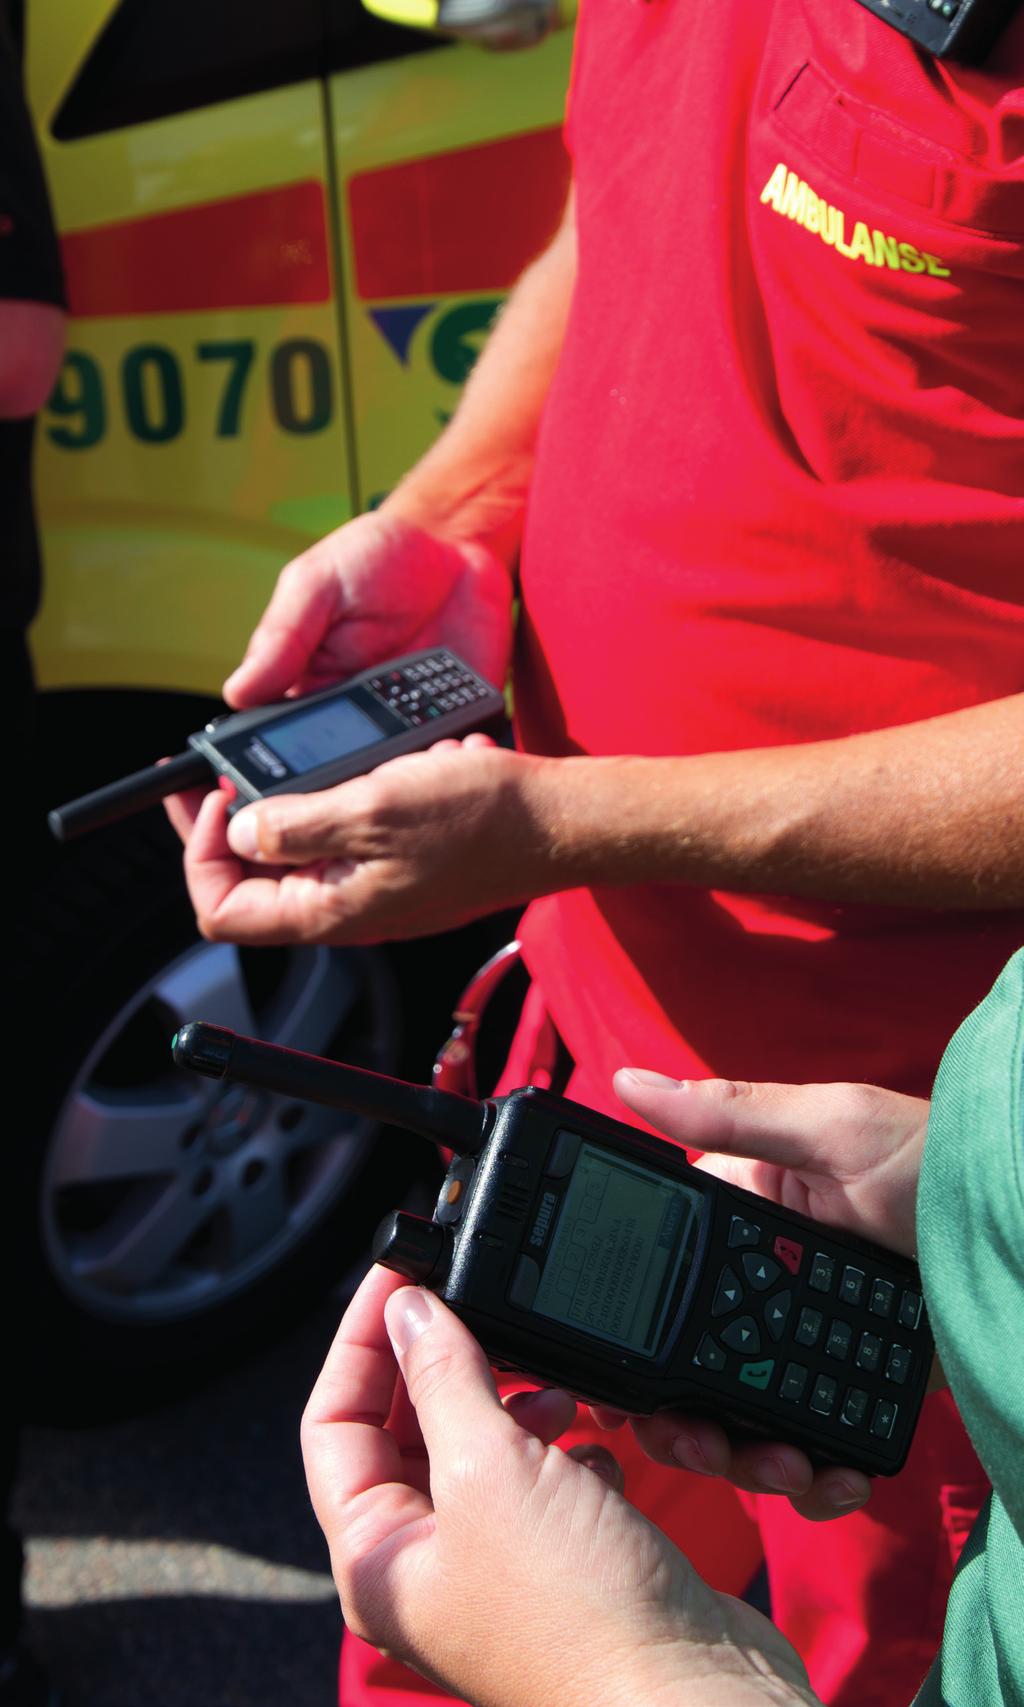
x: 891, y: 270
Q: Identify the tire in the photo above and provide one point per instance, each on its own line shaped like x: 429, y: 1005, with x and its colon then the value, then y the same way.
x: 171, y: 1224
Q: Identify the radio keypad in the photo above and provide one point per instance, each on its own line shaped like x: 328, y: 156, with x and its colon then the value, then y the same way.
x: 751, y: 1296
x: 428, y: 687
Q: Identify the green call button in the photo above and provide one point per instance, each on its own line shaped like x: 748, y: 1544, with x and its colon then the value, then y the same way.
x: 757, y: 1374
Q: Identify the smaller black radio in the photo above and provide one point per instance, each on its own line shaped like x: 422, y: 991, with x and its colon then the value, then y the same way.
x: 302, y: 745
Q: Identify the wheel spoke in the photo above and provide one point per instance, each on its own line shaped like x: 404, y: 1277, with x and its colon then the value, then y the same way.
x: 256, y: 1213
x: 134, y: 1252
x: 111, y: 1134
x: 318, y: 1004
x: 208, y: 984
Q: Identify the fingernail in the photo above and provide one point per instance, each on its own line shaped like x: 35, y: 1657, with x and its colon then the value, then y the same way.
x: 242, y: 670
x: 690, y: 1454
x: 244, y: 835
x: 773, y: 1473
x: 407, y: 1315
x: 657, y: 1081
x: 844, y: 1496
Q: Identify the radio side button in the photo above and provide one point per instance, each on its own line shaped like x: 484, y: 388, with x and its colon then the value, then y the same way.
x: 524, y: 1283
x: 564, y: 1152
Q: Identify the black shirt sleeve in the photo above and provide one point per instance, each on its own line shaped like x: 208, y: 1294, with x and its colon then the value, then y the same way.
x: 29, y: 254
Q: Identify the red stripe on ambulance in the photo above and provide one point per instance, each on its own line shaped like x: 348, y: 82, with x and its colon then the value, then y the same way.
x: 251, y: 251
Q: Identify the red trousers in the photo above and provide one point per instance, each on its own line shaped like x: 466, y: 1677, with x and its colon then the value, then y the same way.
x: 862, y: 1598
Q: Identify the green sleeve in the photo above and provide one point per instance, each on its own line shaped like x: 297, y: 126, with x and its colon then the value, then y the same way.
x: 970, y: 1228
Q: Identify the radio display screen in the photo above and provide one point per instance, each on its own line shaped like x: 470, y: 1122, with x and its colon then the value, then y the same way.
x: 329, y: 731
x: 624, y: 1236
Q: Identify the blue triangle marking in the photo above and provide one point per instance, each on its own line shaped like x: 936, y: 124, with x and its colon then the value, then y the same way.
x: 398, y: 325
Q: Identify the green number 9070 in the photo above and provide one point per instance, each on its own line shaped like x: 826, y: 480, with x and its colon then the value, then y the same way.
x: 150, y: 391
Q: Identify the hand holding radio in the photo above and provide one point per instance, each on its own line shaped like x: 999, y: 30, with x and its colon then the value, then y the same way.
x: 424, y: 843
x: 460, y: 1538
x: 845, y: 1155
x: 374, y: 589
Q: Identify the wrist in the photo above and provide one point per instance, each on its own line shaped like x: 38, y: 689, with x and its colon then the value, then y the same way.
x: 465, y: 501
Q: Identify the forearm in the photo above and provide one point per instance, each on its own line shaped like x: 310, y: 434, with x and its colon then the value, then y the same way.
x: 928, y: 814
x: 472, y: 483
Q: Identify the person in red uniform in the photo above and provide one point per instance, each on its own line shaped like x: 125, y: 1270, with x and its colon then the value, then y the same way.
x: 763, y: 394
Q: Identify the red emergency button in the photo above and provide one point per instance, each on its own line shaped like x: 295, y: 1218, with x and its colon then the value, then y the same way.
x: 789, y: 1253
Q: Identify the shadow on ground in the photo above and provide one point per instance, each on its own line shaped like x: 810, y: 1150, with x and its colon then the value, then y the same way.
x: 173, y: 1557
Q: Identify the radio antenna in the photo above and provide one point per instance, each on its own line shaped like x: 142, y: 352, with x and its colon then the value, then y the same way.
x: 117, y: 800
x: 442, y: 1116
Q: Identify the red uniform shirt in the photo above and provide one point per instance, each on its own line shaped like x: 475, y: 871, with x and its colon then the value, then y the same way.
x: 779, y: 496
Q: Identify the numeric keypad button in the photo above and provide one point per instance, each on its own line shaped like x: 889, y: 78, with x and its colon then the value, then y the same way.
x: 840, y: 1335
x: 808, y: 1328
x: 897, y: 1366
x: 793, y: 1383
x: 851, y: 1285
x: 909, y: 1313
x: 884, y: 1419
x: 823, y: 1396
x: 880, y: 1301
x: 822, y: 1273
x: 869, y: 1353
x: 855, y: 1407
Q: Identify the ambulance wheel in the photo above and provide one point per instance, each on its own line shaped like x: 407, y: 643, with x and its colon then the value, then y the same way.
x: 173, y: 1223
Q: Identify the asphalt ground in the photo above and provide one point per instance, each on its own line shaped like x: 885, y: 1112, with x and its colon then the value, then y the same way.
x: 173, y: 1559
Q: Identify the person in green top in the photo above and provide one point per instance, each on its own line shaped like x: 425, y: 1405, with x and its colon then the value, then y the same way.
x: 461, y: 1538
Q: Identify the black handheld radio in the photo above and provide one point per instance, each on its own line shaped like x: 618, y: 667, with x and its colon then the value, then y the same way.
x: 302, y: 745
x: 947, y: 29
x: 593, y: 1257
